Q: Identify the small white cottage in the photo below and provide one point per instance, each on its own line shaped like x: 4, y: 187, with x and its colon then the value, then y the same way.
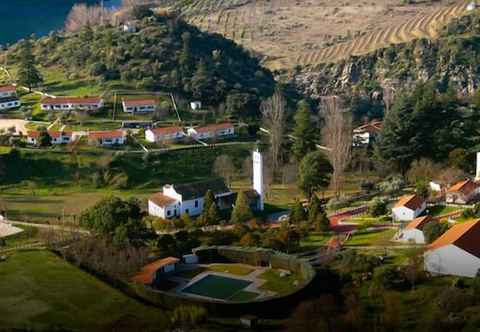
x: 408, y: 208
x: 413, y: 232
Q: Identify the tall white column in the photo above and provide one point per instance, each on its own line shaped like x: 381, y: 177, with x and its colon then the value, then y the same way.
x: 477, y: 175
x: 258, y: 177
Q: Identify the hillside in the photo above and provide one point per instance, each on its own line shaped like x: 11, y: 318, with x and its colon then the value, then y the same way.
x: 452, y: 60
x: 165, y: 54
x: 283, y: 32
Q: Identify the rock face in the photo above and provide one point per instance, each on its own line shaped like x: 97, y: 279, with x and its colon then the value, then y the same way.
x: 453, y: 60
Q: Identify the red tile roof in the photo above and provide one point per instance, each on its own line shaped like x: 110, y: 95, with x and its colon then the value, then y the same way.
x: 372, y: 127
x: 213, y: 127
x: 71, y: 100
x: 465, y: 236
x: 161, y: 200
x: 419, y: 223
x: 166, y: 130
x: 465, y: 187
x: 139, y: 102
x: 412, y: 202
x: 147, y: 275
x: 8, y: 88
x: 53, y: 134
x: 106, y: 134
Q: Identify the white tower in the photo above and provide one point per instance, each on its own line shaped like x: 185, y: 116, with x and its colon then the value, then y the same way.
x: 477, y: 175
x: 258, y: 177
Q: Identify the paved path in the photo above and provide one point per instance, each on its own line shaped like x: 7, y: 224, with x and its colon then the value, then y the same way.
x: 7, y: 229
x: 47, y: 226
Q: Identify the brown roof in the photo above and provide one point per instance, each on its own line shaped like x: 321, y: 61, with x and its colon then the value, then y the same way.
x: 465, y: 187
x: 161, y: 200
x: 71, y: 100
x: 139, y: 102
x: 166, y: 130
x: 372, y: 127
x: 147, y: 275
x: 8, y: 88
x: 465, y: 236
x: 106, y: 134
x: 53, y: 134
x: 419, y: 223
x: 412, y: 202
x: 213, y: 127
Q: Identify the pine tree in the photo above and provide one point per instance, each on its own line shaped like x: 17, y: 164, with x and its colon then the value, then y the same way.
x: 297, y: 214
x: 303, y: 132
x: 28, y: 75
x: 314, y: 210
x: 213, y: 215
x: 241, y: 212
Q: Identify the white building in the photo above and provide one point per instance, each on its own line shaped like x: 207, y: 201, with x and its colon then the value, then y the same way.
x: 413, y: 232
x: 220, y: 130
x: 176, y: 200
x: 457, y: 252
x: 139, y: 105
x: 408, y: 208
x: 258, y: 179
x: 196, y: 105
x: 71, y: 103
x: 58, y: 137
x: 169, y: 134
x: 366, y: 134
x: 462, y: 192
x: 107, y: 138
x: 8, y: 97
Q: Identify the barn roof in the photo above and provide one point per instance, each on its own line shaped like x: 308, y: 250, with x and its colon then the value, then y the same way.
x: 465, y: 236
x: 412, y: 202
x: 419, y: 223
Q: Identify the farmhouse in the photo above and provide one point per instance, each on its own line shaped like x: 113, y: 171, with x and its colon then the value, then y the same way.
x: 107, y: 138
x: 413, y: 232
x: 457, y: 252
x: 176, y: 200
x: 167, y: 134
x: 149, y: 273
x: 408, y: 208
x: 462, y: 193
x: 139, y: 105
x: 213, y: 131
x: 71, y: 103
x: 58, y: 137
x: 8, y: 97
x: 366, y: 134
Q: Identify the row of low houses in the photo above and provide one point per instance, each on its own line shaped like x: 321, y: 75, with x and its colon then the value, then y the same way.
x: 172, y: 134
x: 8, y: 97
x: 105, y: 138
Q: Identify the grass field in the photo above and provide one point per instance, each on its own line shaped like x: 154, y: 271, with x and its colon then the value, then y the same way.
x: 236, y: 269
x: 275, y: 283
x: 217, y: 287
x: 372, y: 238
x: 440, y: 210
x: 41, y: 291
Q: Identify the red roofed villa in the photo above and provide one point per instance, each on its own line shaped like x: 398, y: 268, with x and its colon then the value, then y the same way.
x: 71, y: 103
x: 139, y: 105
x: 462, y: 193
x: 212, y: 131
x: 408, y: 208
x: 167, y: 134
x: 58, y: 137
x: 457, y: 252
x: 107, y: 138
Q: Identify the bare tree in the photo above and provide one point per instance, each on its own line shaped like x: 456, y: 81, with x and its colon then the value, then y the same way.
x: 337, y: 137
x: 273, y: 117
x: 247, y: 168
x: 82, y: 15
x: 224, y: 167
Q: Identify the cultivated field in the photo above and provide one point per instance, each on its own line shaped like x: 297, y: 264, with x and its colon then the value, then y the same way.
x: 286, y: 32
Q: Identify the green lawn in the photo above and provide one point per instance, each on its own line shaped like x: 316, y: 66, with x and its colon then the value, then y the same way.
x: 41, y: 291
x: 217, y: 287
x: 372, y: 238
x: 244, y: 296
x: 276, y: 283
x: 440, y: 210
x: 315, y: 239
x: 235, y: 269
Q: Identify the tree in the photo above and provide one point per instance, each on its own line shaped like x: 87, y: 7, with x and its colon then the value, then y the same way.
x: 378, y: 207
x: 44, y: 138
x: 223, y: 167
x: 337, y: 137
x: 273, y: 118
x: 27, y: 74
x: 297, y: 213
x: 433, y: 230
x: 82, y: 16
x: 421, y: 188
x: 213, y: 215
x: 314, y: 173
x: 303, y: 131
x: 241, y: 212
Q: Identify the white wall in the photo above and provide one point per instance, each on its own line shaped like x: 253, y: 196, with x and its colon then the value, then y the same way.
x: 451, y: 260
x: 149, y: 136
x: 412, y: 235
x: 403, y: 213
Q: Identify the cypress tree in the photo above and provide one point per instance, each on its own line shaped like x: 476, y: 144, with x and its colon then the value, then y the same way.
x: 303, y: 132
x: 241, y: 212
x: 297, y: 214
x: 27, y: 74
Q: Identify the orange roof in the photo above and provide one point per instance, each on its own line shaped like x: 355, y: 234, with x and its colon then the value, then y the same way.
x: 147, y: 274
x: 166, y: 130
x: 465, y: 236
x: 412, y: 202
x: 419, y: 223
x: 71, y: 100
x: 372, y: 127
x: 8, y: 88
x: 139, y: 102
x: 106, y: 134
x: 161, y: 200
x: 53, y: 134
x: 465, y: 187
x: 214, y: 127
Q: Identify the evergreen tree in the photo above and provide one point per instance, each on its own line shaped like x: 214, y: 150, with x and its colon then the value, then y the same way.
x: 213, y: 215
x: 297, y: 214
x: 322, y: 223
x: 304, y: 132
x: 314, y: 172
x: 44, y: 138
x: 241, y: 212
x: 28, y: 75
x: 208, y: 200
x: 314, y: 209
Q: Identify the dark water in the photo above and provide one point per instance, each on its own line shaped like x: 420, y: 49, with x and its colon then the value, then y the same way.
x: 20, y: 18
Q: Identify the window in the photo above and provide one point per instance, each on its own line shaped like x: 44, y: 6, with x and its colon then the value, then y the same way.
x: 196, y: 204
x: 187, y: 211
x: 169, y: 213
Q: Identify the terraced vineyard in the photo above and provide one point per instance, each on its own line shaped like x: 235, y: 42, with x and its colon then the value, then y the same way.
x: 415, y: 28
